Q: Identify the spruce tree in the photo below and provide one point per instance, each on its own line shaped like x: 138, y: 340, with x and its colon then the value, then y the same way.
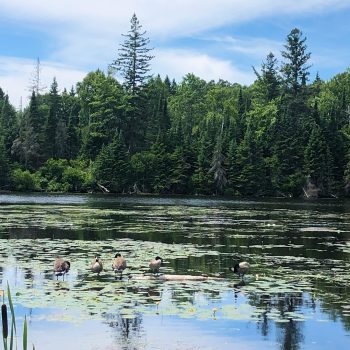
x: 318, y: 162
x: 133, y: 64
x: 133, y: 61
x: 4, y: 165
x: 291, y: 132
x: 51, y: 141
x: 112, y: 167
x: 268, y: 79
x: 295, y: 69
x: 8, y: 123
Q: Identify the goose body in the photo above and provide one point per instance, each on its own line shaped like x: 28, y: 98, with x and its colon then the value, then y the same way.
x: 96, y: 265
x: 241, y: 268
x: 61, y: 267
x: 119, y: 264
x: 155, y: 264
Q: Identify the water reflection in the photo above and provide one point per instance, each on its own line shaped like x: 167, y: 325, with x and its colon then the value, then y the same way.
x: 127, y: 331
x: 299, y: 252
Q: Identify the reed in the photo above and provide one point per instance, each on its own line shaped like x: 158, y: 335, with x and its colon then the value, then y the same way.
x: 9, y: 342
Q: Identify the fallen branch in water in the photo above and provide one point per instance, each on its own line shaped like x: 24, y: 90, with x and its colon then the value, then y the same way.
x: 174, y: 278
x: 104, y: 189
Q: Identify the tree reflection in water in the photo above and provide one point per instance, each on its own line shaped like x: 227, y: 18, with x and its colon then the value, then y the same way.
x: 128, y: 332
x: 289, y: 332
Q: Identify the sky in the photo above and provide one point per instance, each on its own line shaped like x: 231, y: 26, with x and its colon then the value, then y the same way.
x: 213, y: 39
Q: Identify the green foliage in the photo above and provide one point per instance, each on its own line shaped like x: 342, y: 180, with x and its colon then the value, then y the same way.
x: 112, y: 167
x: 24, y: 180
x: 102, y: 112
x: 61, y: 175
x: 4, y: 165
x: 318, y: 162
x: 193, y: 137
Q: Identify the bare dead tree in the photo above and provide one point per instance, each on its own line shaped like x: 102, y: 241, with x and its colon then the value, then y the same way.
x: 35, y: 83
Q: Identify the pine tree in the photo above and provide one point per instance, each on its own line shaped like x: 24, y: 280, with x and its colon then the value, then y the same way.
x: 179, y: 171
x: 4, y: 165
x: 291, y: 128
x: 251, y: 179
x: 133, y: 64
x: 112, y: 167
x: 71, y: 109
x: 158, y: 121
x: 295, y: 69
x: 318, y: 162
x: 133, y: 61
x: 8, y: 123
x: 161, y: 166
x: 268, y: 80
x: 202, y: 180
x: 51, y: 141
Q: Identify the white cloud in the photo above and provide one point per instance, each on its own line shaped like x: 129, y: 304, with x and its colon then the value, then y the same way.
x: 158, y: 16
x: 15, y: 75
x: 181, y: 62
x: 85, y: 34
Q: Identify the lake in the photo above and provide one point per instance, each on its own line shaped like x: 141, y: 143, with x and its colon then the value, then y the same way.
x: 295, y: 296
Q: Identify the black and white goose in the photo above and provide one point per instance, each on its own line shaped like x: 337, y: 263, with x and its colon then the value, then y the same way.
x: 155, y: 264
x: 241, y: 268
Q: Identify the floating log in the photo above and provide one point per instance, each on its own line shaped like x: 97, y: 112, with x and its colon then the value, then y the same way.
x: 103, y: 189
x: 174, y: 278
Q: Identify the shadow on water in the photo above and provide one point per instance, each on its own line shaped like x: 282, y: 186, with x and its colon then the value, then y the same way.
x: 299, y: 254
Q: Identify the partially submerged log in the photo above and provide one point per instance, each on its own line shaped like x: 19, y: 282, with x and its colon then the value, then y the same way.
x: 162, y: 277
x: 103, y: 189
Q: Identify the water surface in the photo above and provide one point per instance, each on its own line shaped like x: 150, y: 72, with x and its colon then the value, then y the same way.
x: 296, y: 295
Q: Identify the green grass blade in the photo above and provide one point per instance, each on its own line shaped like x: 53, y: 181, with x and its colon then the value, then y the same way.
x: 25, y: 334
x: 11, y: 337
x: 11, y: 308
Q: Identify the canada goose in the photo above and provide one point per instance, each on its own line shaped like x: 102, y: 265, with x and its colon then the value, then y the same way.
x: 241, y: 268
x: 96, y: 265
x: 119, y: 264
x: 155, y: 264
x: 61, y: 267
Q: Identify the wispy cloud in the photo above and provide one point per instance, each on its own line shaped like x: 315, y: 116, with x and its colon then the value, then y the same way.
x: 256, y: 47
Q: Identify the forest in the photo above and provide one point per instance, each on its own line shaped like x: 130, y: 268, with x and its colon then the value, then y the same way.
x: 284, y: 135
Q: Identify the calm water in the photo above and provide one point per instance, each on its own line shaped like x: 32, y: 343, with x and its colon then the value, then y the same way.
x: 296, y: 295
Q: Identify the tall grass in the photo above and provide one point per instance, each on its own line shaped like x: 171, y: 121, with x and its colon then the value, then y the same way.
x: 10, y: 342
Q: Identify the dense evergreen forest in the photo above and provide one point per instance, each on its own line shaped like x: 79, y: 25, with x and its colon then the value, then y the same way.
x: 283, y: 135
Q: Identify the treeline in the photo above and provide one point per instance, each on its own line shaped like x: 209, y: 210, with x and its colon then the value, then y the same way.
x: 282, y: 135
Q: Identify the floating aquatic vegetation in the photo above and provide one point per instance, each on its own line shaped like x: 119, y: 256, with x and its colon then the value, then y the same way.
x: 294, y: 255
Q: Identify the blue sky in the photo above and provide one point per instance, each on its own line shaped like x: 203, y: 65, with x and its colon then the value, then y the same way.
x: 219, y: 39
